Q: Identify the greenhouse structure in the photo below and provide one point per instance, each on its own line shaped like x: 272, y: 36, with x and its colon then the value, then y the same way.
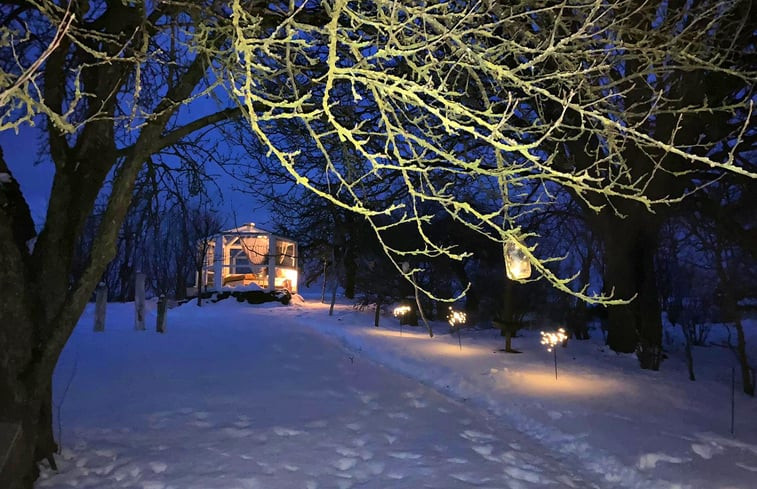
x: 248, y: 257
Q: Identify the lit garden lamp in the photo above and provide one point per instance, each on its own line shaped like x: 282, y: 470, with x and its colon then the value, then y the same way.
x: 517, y: 264
x: 400, y: 312
x: 457, y: 320
x: 551, y: 340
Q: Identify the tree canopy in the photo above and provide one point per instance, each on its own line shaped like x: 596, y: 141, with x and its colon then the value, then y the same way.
x: 475, y: 109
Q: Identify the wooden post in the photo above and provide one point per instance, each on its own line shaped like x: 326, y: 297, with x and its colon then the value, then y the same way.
x: 271, y: 262
x: 139, y: 302
x: 101, y: 301
x: 219, y: 261
x: 160, y: 326
x: 323, y: 289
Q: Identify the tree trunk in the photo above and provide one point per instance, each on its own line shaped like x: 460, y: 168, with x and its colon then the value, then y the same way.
x: 139, y: 302
x: 630, y: 247
x: 160, y: 324
x: 377, y: 315
x: 687, y: 334
x: 619, y: 275
x: 200, y: 280
x: 333, y: 297
x: 747, y: 372
x: 350, y: 273
x: 648, y: 304
x: 101, y: 302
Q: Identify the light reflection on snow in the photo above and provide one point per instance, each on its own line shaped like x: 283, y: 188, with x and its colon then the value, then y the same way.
x: 543, y: 383
x: 398, y: 334
x: 452, y: 350
x: 434, y: 346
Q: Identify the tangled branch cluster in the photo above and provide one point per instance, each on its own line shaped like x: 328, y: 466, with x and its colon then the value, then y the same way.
x: 469, y: 108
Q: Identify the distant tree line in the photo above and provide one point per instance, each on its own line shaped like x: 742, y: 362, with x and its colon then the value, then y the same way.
x: 174, y: 207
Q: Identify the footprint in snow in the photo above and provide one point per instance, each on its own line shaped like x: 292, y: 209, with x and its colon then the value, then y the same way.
x: 470, y: 478
x: 359, y: 442
x: 404, y: 455
x: 367, y: 398
x: 375, y: 468
x: 649, y: 460
x: 457, y: 460
x: 346, y: 452
x: 158, y: 467
x: 345, y: 463
x: 237, y: 432
x: 398, y: 416
x: 527, y: 475
x: 287, y: 431
x: 105, y: 470
x: 477, y: 436
x: 483, y: 450
x: 153, y: 485
x: 249, y: 483
x: 706, y: 451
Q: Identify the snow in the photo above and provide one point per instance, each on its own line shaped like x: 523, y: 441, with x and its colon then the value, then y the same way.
x: 5, y: 177
x: 253, y: 397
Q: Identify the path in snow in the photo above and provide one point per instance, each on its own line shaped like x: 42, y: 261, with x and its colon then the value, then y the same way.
x: 265, y: 403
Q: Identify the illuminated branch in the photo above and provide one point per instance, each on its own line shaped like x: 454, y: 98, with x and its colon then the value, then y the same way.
x: 407, y: 87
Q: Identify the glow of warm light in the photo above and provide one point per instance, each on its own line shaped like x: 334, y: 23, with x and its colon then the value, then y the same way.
x: 541, y: 383
x: 401, y: 310
x: 432, y: 346
x: 456, y: 318
x: 291, y: 275
x: 552, y: 339
x: 396, y: 334
x: 517, y: 265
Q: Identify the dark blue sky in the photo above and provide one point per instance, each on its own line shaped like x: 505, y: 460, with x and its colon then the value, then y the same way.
x: 35, y: 175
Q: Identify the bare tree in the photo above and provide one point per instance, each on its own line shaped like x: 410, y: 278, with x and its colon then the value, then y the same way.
x: 519, y: 81
x: 108, y: 96
x: 202, y: 222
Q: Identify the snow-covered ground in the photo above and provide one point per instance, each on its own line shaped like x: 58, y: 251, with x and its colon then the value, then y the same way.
x: 270, y: 396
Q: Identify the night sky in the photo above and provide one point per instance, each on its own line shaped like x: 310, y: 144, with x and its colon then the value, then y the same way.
x: 35, y: 175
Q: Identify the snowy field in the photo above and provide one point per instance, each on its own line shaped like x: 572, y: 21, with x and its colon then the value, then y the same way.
x: 235, y: 396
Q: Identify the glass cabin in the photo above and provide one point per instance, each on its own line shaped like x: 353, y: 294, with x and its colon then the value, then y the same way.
x: 239, y: 257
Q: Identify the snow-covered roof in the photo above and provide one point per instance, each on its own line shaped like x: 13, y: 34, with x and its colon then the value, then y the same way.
x: 250, y: 227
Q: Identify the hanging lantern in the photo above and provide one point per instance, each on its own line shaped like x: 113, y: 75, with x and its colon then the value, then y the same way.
x: 516, y: 262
